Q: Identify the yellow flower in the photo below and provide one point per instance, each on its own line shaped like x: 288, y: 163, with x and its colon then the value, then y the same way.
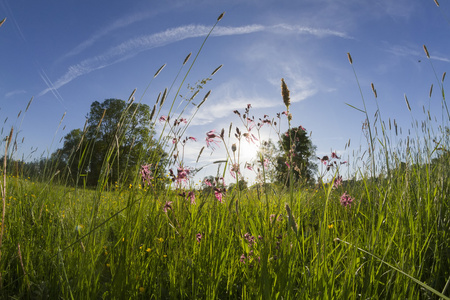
x: 330, y: 226
x: 148, y: 249
x: 160, y: 240
x: 164, y: 255
x: 141, y: 289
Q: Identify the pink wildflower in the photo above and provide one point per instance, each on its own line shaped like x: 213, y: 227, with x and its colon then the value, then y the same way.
x: 182, y: 174
x: 242, y: 258
x: 334, y: 155
x: 346, y: 200
x: 235, y: 170
x: 219, y: 194
x: 324, y: 159
x: 199, y: 237
x: 191, y: 196
x: 212, y: 138
x: 250, y: 138
x: 167, y: 206
x: 146, y: 173
x: 337, y: 182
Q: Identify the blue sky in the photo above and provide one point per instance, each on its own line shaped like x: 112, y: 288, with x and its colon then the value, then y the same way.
x: 67, y: 54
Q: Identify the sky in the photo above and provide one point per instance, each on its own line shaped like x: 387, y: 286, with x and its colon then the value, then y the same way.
x: 67, y: 54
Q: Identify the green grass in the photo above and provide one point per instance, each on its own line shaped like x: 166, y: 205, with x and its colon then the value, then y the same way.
x: 393, y: 236
x: 126, y: 242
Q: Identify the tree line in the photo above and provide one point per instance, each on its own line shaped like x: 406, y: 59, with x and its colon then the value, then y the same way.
x: 118, y: 137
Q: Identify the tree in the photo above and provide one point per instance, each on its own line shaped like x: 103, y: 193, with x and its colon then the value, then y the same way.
x: 266, y: 162
x: 241, y: 186
x: 118, y: 136
x: 297, y: 153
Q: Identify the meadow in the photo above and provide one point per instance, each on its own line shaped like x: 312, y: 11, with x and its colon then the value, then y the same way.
x: 383, y: 233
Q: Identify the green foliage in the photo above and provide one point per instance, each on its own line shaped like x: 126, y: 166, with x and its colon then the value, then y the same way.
x: 241, y: 186
x: 267, y: 158
x: 297, y: 152
x: 112, y: 124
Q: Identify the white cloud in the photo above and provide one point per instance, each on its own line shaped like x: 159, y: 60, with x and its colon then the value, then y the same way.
x: 15, y: 92
x: 318, y: 32
x: 134, y: 46
x: 414, y: 51
x: 403, y: 50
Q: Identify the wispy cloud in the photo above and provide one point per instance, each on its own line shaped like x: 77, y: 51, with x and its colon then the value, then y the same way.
x: 444, y: 59
x: 120, y: 23
x: 402, y: 50
x: 232, y: 96
x: 224, y: 107
x: 15, y: 92
x: 318, y: 32
x: 134, y: 46
x: 414, y: 51
x: 300, y: 85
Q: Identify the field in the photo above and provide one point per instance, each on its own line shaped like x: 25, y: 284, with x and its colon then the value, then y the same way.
x: 383, y: 233
x: 392, y: 242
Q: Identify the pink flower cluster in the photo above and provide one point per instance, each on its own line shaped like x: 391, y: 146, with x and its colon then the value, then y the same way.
x: 219, y: 193
x: 346, y: 200
x: 146, y: 174
x: 182, y: 175
x: 331, y: 162
x: 337, y: 182
x: 189, y: 196
x: 212, y: 139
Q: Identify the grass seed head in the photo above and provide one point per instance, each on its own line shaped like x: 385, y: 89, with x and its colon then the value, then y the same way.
x: 217, y: 69
x: 131, y: 98
x: 153, y: 112
x: 159, y: 70
x: 220, y: 17
x: 10, y: 136
x: 2, y: 21
x: 187, y: 58
x: 437, y: 3
x: 163, y: 97
x: 426, y: 51
x: 374, y: 90
x: 349, y: 58
x: 407, y: 103
x: 29, y: 103
x: 285, y: 93
x: 204, y: 98
x: 101, y: 119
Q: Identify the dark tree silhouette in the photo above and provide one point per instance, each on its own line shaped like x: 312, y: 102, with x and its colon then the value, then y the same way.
x: 117, y: 138
x: 297, y: 152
